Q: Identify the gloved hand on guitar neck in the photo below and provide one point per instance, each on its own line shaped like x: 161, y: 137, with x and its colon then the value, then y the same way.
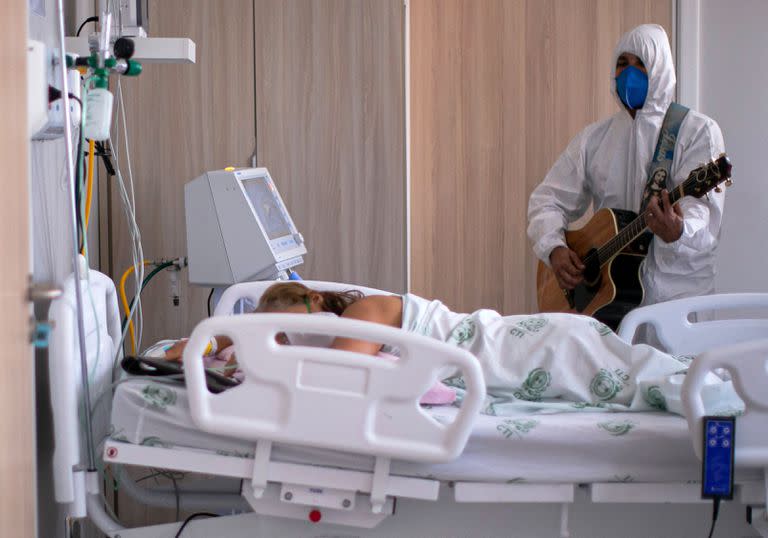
x: 567, y: 267
x: 663, y: 218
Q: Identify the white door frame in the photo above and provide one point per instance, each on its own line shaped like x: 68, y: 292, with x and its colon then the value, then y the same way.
x: 688, y: 45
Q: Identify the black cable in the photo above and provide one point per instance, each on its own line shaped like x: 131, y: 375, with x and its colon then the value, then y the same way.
x: 715, y: 511
x: 55, y: 93
x: 86, y: 21
x: 78, y: 216
x: 103, y: 151
x: 209, y: 301
x: 165, y: 473
x: 143, y: 285
x: 190, y: 518
x: 178, y: 497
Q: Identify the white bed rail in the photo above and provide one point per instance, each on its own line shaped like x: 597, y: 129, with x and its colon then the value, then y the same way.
x: 748, y: 366
x: 253, y: 291
x: 679, y: 335
x: 64, y: 374
x: 332, y: 399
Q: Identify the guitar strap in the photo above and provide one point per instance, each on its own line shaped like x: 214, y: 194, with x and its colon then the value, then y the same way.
x: 661, y: 164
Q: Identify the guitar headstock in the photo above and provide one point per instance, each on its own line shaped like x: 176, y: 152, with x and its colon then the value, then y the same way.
x: 709, y: 176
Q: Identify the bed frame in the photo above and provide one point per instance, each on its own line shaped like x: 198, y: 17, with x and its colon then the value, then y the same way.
x: 385, y: 422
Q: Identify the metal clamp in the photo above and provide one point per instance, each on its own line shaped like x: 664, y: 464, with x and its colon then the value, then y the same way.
x: 42, y: 292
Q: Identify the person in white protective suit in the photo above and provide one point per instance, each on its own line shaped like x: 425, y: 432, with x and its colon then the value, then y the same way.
x: 608, y: 164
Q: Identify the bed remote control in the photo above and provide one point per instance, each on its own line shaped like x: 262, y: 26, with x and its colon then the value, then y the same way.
x: 717, y: 465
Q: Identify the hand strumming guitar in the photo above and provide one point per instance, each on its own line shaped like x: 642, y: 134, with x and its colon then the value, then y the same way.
x: 664, y: 219
x: 567, y: 267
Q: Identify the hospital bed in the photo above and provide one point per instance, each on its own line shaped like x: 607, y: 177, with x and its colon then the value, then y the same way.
x: 324, y: 443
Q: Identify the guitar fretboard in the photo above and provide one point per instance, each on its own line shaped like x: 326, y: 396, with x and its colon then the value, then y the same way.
x: 697, y: 183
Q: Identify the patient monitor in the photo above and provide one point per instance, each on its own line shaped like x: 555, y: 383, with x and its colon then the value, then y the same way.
x: 238, y: 229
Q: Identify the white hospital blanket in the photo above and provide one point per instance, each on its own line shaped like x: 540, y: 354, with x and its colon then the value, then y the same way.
x: 521, y: 447
x: 561, y: 362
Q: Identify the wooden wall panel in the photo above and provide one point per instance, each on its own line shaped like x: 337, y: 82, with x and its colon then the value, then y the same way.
x: 17, y: 425
x: 330, y: 128
x: 183, y: 119
x: 498, y: 88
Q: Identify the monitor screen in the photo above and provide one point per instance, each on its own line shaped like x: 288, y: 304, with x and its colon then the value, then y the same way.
x: 267, y: 207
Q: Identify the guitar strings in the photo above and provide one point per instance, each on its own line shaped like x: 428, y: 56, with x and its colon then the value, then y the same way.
x: 634, y: 229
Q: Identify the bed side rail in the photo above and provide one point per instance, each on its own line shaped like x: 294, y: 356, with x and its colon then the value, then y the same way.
x: 748, y: 365
x: 253, y: 291
x: 679, y: 335
x: 332, y: 399
x: 65, y: 380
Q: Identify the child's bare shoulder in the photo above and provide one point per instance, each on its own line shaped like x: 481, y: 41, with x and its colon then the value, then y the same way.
x: 385, y: 309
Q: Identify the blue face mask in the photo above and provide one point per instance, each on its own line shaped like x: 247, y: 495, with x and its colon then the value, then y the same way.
x: 632, y: 87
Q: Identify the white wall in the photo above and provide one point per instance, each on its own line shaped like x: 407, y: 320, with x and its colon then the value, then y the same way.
x: 734, y: 91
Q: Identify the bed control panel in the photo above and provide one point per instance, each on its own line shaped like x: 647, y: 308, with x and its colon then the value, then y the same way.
x: 317, y: 504
x: 717, y: 464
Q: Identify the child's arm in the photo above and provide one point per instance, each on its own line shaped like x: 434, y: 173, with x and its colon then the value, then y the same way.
x: 175, y: 352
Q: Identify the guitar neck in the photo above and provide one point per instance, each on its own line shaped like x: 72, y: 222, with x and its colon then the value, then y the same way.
x: 638, y: 226
x: 622, y: 239
x: 698, y: 183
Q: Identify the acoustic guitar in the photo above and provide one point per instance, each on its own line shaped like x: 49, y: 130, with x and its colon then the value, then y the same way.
x: 612, y: 246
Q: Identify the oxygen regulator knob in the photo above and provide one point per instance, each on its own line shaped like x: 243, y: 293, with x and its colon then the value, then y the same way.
x: 124, y: 48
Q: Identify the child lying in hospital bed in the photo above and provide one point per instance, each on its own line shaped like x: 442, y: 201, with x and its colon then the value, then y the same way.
x: 553, y: 361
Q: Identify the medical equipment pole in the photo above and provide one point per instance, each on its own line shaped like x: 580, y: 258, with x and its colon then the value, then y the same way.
x: 75, y: 249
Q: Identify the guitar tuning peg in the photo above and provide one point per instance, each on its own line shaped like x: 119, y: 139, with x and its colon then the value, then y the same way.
x: 728, y: 182
x: 718, y: 189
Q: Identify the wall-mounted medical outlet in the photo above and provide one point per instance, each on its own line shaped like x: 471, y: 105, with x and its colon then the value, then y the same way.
x: 53, y: 127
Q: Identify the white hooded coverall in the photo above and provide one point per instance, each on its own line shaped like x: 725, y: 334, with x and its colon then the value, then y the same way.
x: 607, y: 164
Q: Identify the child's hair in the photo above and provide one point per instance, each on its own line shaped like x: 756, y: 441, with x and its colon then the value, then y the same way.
x: 284, y: 294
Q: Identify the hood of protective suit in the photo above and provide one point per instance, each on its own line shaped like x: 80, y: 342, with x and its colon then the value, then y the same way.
x: 650, y: 43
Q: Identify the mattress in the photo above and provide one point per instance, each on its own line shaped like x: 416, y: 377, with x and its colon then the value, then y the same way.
x: 528, y: 447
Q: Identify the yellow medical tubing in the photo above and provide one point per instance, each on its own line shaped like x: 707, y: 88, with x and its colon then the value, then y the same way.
x: 89, y: 188
x: 127, y: 308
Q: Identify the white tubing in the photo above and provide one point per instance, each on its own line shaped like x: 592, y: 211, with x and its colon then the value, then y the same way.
x: 188, y: 500
x: 100, y: 518
x: 91, y: 456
